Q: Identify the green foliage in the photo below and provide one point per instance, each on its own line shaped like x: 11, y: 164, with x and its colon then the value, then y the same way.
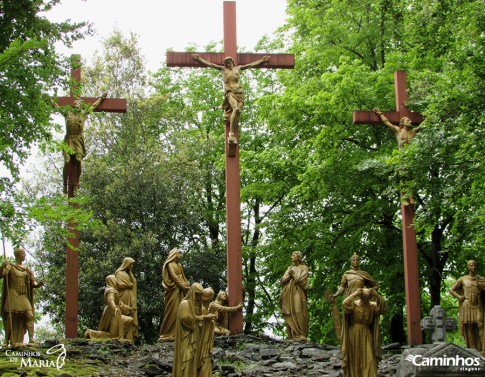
x: 30, y: 68
x: 310, y: 179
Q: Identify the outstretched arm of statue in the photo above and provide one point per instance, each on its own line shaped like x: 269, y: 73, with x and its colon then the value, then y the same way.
x: 206, y: 62
x: 53, y: 103
x: 98, y: 102
x: 256, y: 63
x: 338, y: 293
x: 384, y: 120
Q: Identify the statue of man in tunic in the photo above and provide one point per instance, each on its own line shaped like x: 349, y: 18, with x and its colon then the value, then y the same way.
x: 17, y: 305
x: 470, y: 292
x: 354, y: 278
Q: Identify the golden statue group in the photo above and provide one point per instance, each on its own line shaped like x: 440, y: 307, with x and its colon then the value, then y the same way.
x: 192, y: 318
x: 360, y: 341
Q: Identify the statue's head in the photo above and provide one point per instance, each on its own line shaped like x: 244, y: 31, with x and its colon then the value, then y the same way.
x: 355, y: 259
x: 405, y: 122
x: 207, y: 294
x: 472, y: 265
x: 367, y: 293
x: 222, y: 296
x: 77, y: 103
x: 229, y: 62
x: 174, y: 254
x: 127, y: 263
x: 19, y: 252
x: 297, y: 256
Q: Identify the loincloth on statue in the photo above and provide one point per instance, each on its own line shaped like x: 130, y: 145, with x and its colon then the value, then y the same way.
x: 238, y: 95
x: 76, y: 143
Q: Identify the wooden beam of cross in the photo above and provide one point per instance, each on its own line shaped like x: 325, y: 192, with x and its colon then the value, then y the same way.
x: 233, y: 215
x: 114, y: 105
x: 411, y: 271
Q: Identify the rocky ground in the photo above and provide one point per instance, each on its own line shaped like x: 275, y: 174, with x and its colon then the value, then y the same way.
x: 235, y: 356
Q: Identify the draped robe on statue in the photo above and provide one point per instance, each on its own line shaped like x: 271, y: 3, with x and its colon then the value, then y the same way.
x: 187, y: 333
x: 293, y: 302
x: 360, y: 344
x: 205, y: 346
x: 354, y: 279
x: 113, y: 324
x: 175, y: 285
x: 127, y: 289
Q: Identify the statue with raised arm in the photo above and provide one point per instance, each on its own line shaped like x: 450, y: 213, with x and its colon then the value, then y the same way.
x: 175, y: 286
x: 404, y: 132
x: 233, y: 92
x: 75, y: 117
x: 361, y: 344
x: 17, y: 305
x: 220, y: 307
x: 470, y: 292
x: 293, y: 299
x: 127, y: 289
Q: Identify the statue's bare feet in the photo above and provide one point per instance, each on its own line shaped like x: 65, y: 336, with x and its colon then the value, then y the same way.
x: 231, y: 138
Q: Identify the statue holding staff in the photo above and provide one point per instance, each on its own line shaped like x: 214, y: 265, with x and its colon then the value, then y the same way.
x: 17, y: 304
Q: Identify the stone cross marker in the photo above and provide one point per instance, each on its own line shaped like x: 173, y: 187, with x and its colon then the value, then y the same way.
x: 114, y: 105
x: 233, y: 214
x: 438, y: 324
x: 411, y: 272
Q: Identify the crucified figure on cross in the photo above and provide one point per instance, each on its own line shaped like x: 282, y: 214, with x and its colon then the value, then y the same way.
x: 233, y: 92
x: 403, y: 132
x: 75, y: 117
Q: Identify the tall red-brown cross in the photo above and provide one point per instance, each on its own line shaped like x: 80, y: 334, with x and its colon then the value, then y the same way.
x: 411, y: 272
x: 114, y: 105
x: 233, y: 215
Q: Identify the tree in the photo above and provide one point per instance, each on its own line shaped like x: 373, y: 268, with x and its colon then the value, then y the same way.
x: 348, y: 196
x: 30, y: 68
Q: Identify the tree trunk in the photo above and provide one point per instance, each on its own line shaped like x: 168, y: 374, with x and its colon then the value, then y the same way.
x: 251, y: 271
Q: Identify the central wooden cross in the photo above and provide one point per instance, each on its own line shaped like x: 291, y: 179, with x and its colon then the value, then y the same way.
x: 411, y: 271
x: 113, y: 105
x: 233, y: 215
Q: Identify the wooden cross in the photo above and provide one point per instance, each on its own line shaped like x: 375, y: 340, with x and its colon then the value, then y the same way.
x: 233, y: 215
x: 114, y: 105
x: 411, y: 272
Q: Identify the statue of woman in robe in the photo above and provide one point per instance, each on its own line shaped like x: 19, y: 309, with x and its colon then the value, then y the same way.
x: 293, y: 299
x: 187, y: 333
x: 360, y: 344
x: 175, y: 286
x: 113, y: 323
x: 127, y: 289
